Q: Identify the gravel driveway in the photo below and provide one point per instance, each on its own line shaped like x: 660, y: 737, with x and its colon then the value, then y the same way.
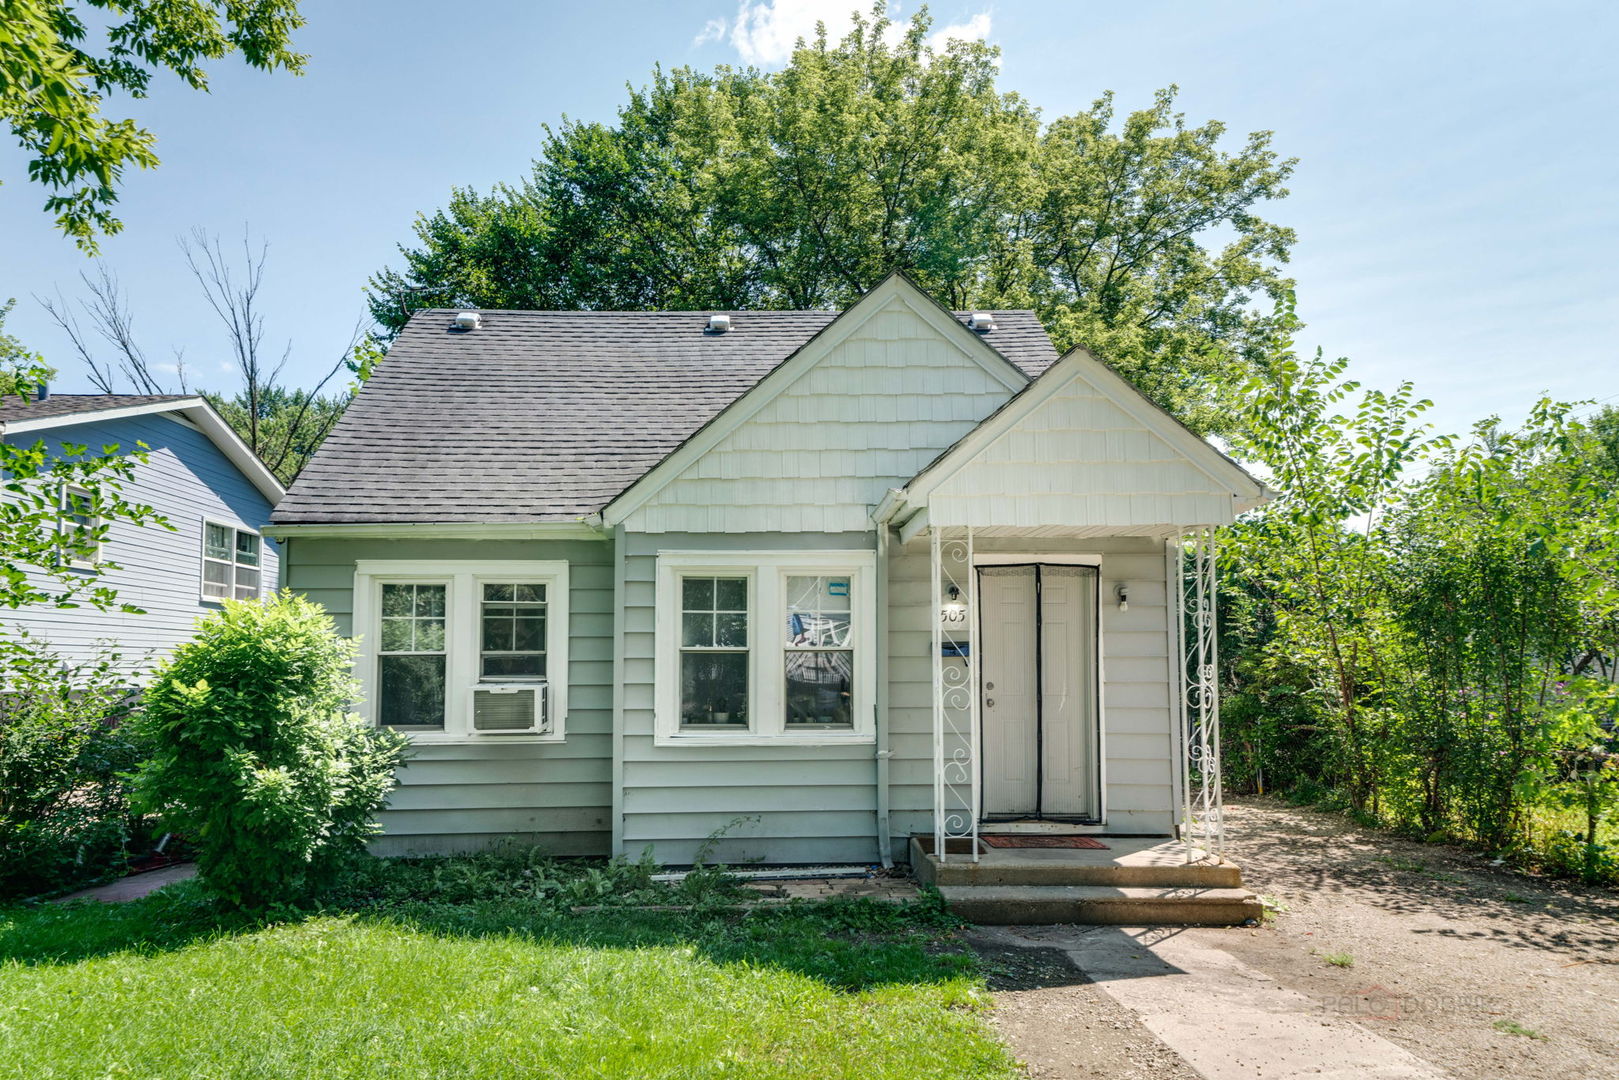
x: 1470, y: 967
x: 1450, y: 955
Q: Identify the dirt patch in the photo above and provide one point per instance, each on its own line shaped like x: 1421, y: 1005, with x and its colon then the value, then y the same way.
x: 1470, y: 966
x: 1060, y: 1025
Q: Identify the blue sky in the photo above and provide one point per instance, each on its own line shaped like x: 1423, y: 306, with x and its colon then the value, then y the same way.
x: 1455, y: 197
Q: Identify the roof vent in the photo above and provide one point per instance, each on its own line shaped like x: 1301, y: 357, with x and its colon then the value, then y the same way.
x: 982, y: 321
x: 718, y: 324
x: 468, y: 320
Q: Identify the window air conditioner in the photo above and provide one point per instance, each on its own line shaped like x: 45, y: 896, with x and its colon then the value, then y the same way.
x: 509, y: 709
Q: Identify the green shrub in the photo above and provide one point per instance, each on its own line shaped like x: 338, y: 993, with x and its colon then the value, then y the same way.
x: 256, y: 758
x: 64, y: 810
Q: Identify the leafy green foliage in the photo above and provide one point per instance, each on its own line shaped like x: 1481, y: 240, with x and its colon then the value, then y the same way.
x: 802, y: 188
x: 286, y: 426
x: 53, y: 84
x: 64, y: 756
x: 22, y: 371
x: 58, y: 505
x: 1427, y: 626
x: 255, y: 756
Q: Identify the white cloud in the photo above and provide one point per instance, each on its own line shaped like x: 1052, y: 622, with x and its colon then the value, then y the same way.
x: 765, y: 31
x: 713, y: 30
x: 974, y: 29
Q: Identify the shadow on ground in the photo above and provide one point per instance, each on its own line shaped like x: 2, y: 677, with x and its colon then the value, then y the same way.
x: 848, y: 945
x: 1285, y: 849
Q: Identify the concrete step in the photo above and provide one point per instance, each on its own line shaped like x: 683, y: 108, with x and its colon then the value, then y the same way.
x: 1151, y: 869
x: 1100, y: 905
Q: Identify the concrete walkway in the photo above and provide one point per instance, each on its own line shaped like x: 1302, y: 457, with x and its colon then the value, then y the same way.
x: 134, y: 886
x: 1228, y: 1020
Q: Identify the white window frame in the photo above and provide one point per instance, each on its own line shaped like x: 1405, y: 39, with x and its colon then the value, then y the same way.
x: 767, y: 572
x: 62, y: 528
x: 464, y: 580
x: 202, y: 547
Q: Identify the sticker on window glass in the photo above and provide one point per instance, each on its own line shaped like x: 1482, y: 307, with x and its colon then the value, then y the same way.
x: 837, y: 587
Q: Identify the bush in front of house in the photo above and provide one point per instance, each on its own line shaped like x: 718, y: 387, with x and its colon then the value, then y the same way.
x: 64, y: 755
x: 255, y: 756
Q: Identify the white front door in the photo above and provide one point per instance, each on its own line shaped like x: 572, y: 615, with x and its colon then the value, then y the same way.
x: 1038, y: 645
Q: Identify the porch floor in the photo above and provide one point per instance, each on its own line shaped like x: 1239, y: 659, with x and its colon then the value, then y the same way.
x: 1127, y: 860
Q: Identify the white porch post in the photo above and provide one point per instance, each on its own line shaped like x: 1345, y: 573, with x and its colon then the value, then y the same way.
x: 1202, y: 817
x: 956, y: 799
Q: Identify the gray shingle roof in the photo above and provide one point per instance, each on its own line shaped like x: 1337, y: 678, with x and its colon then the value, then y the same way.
x: 11, y: 408
x: 547, y: 415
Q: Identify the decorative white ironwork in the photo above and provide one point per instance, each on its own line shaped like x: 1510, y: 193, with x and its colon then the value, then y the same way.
x: 955, y: 694
x: 1202, y: 817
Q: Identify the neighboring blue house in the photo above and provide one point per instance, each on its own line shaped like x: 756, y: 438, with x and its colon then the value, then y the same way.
x: 201, y: 477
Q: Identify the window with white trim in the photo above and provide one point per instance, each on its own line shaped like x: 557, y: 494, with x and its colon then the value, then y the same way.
x: 412, y: 655
x: 765, y: 646
x: 512, y: 620
x: 714, y: 674
x: 231, y: 557
x: 819, y: 658
x: 77, y: 542
x: 460, y: 650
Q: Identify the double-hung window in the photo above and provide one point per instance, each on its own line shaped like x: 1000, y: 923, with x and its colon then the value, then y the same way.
x: 714, y: 676
x: 759, y: 647
x: 78, y: 542
x: 231, y: 557
x: 819, y: 661
x: 412, y: 655
x: 457, y: 650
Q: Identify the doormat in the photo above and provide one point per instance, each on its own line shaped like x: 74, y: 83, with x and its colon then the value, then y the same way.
x: 1008, y: 840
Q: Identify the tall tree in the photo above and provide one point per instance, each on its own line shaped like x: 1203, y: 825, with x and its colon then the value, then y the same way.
x: 283, y: 425
x: 803, y: 187
x: 53, y: 81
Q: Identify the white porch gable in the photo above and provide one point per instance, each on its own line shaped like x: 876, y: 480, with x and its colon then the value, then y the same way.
x: 1079, y: 452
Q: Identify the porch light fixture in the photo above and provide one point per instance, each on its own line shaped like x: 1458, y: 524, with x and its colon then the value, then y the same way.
x: 1124, y: 597
x: 955, y: 593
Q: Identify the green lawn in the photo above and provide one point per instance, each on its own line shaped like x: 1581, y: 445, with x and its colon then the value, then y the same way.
x: 158, y: 989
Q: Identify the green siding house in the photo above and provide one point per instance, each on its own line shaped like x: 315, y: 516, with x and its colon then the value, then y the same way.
x: 810, y: 583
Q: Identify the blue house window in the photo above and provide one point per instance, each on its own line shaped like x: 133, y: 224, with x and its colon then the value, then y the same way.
x: 230, y: 562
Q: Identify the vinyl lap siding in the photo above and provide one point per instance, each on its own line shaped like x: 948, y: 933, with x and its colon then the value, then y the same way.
x: 465, y: 796
x: 186, y: 479
x: 776, y: 804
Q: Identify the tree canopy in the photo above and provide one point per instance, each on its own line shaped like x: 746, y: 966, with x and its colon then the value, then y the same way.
x: 53, y: 82
x: 802, y: 188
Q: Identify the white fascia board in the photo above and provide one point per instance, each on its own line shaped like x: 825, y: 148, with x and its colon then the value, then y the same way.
x: 42, y: 423
x: 195, y: 409
x: 767, y: 389
x: 450, y: 530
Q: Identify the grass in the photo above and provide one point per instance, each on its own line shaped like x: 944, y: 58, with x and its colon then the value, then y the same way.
x: 165, y: 987
x: 1340, y: 959
x: 1512, y: 1027
x: 1410, y: 866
